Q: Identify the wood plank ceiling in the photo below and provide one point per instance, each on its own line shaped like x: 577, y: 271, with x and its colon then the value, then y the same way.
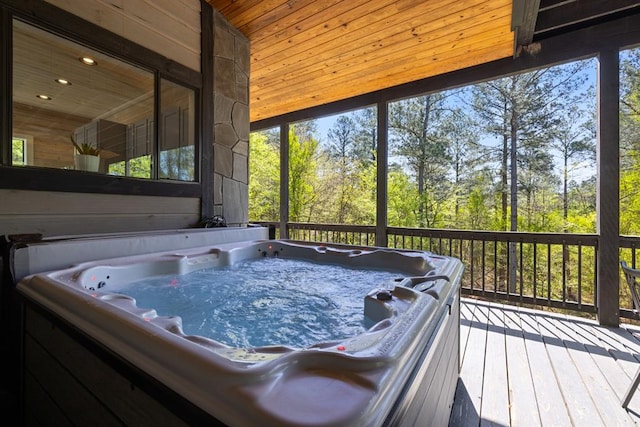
x: 306, y: 53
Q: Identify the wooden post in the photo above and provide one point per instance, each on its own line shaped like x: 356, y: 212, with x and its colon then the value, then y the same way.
x: 6, y: 102
x: 608, y: 189
x: 381, y: 178
x: 284, y: 180
x: 205, y: 168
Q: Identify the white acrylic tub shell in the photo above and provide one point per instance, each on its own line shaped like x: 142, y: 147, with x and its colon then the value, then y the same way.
x: 352, y: 382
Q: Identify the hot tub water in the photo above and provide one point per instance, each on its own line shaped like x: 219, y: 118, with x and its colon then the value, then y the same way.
x: 264, y: 301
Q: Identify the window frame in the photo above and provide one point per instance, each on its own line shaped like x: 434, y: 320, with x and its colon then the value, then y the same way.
x: 52, y: 19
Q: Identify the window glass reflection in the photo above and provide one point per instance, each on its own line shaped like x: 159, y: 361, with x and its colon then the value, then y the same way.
x: 177, y: 140
x: 76, y: 108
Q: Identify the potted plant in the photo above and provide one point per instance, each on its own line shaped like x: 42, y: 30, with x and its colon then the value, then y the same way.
x: 87, y: 157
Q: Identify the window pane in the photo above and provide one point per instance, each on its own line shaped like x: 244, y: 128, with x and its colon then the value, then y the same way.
x: 177, y: 139
x: 332, y: 169
x: 106, y: 107
x: 515, y: 153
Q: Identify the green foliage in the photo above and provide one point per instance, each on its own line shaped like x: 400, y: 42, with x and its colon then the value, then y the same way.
x: 303, y: 159
x: 17, y: 152
x: 85, y: 148
x: 630, y: 143
x: 402, y: 208
x: 264, y: 180
x: 139, y: 167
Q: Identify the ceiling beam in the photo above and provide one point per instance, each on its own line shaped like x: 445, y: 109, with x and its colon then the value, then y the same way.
x: 523, y: 22
x: 566, y: 14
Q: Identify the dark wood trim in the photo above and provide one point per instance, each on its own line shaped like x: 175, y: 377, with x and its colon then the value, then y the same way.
x: 527, y: 13
x: 157, y: 119
x: 382, y: 169
x: 581, y: 14
x: 206, y: 110
x: 608, y: 188
x: 6, y: 82
x: 582, y: 43
x: 324, y: 110
x: 284, y: 180
x: 45, y: 179
x: 550, y: 4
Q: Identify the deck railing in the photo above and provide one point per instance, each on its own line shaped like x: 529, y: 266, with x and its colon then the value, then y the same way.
x: 555, y: 270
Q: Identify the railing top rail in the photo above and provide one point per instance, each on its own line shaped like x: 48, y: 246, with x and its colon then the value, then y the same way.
x: 332, y: 227
x: 508, y: 236
x: 630, y: 242
x: 586, y: 239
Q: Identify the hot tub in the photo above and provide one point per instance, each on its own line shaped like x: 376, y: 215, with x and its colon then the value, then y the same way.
x: 400, y: 370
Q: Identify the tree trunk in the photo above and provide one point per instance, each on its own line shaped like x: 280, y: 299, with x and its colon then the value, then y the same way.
x: 513, y: 256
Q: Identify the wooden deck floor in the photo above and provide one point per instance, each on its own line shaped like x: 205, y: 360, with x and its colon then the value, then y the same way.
x: 523, y: 367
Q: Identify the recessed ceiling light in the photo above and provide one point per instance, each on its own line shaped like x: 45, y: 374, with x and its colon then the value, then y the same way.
x: 88, y: 61
x: 63, y: 82
x: 44, y: 97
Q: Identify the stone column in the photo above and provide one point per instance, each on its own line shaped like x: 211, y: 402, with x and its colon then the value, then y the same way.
x: 231, y: 122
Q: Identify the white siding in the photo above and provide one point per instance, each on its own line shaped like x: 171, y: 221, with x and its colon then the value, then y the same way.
x: 57, y: 213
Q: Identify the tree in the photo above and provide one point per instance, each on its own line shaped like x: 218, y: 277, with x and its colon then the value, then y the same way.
x: 576, y: 144
x: 402, y: 207
x: 417, y: 135
x: 264, y: 180
x: 303, y: 151
x: 366, y: 136
x: 630, y: 142
x: 521, y: 110
x: 463, y: 150
x: 342, y: 151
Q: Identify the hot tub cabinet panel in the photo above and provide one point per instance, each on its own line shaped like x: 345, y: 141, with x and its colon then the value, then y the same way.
x: 428, y: 397
x: 70, y: 380
x: 91, y: 351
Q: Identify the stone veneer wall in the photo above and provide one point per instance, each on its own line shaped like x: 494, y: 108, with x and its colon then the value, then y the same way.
x: 231, y: 121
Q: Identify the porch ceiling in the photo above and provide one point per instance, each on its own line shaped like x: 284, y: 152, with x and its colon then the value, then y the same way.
x: 306, y: 53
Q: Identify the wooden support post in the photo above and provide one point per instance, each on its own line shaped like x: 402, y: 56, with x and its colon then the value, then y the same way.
x: 284, y: 180
x: 608, y: 189
x: 205, y: 166
x: 381, y: 178
x: 6, y: 102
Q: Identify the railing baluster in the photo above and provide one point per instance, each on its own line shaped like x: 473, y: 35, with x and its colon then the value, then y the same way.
x: 548, y: 273
x: 484, y: 264
x: 564, y: 271
x: 471, y: 263
x: 521, y: 265
x: 535, y: 272
x: 495, y: 268
x: 580, y: 274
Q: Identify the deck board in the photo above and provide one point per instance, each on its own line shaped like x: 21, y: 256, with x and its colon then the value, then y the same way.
x: 465, y: 411
x: 523, y: 408
x: 495, y: 392
x: 527, y: 367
